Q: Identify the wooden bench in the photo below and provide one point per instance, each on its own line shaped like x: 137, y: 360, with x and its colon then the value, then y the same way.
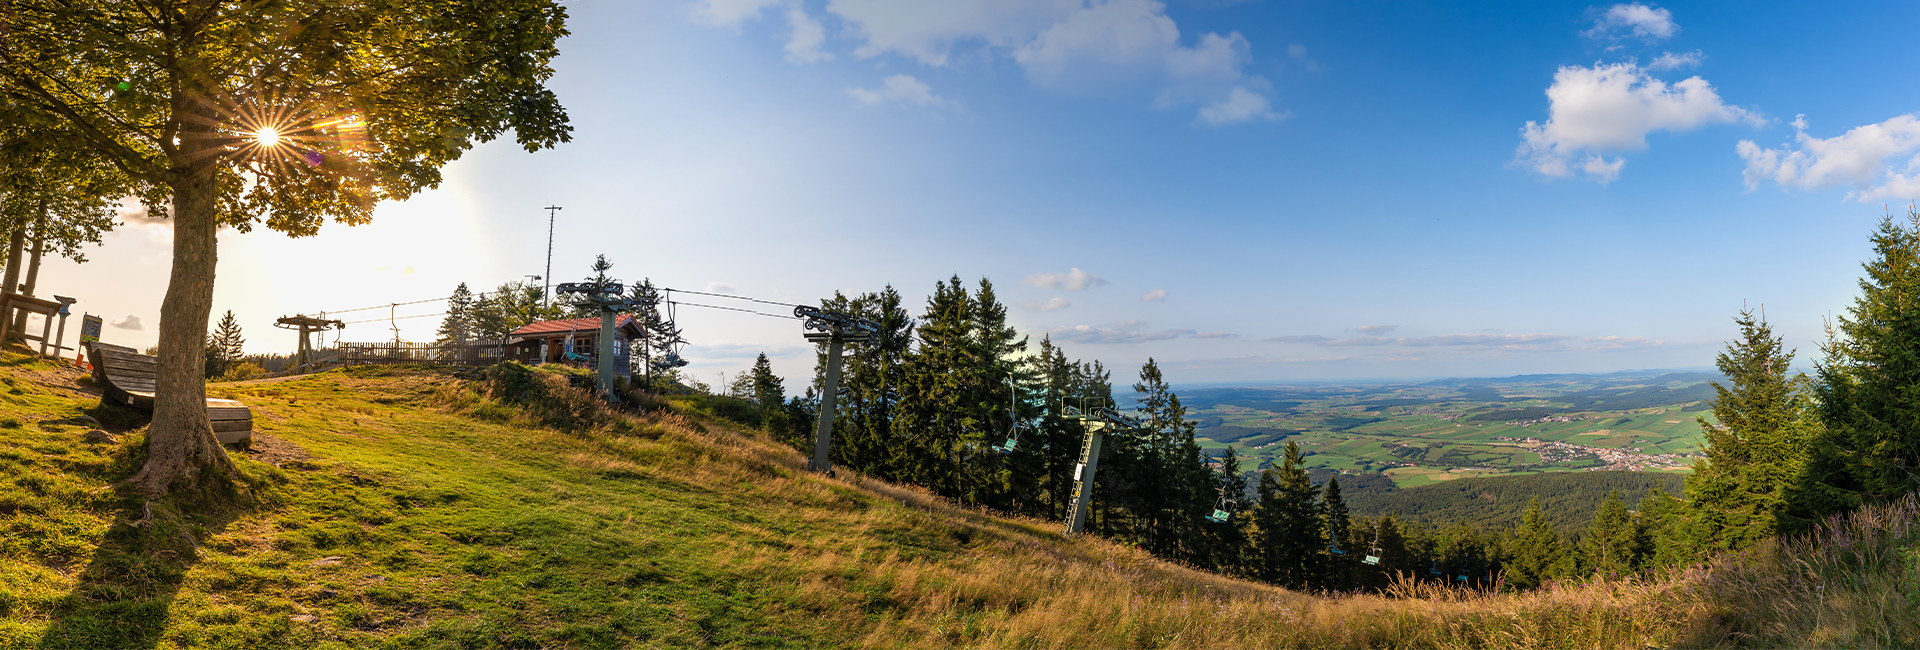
x: 126, y: 378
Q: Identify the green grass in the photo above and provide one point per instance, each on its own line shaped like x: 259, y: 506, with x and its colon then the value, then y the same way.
x: 410, y: 508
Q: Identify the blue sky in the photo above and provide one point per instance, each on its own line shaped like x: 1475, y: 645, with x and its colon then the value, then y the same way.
x: 1246, y: 191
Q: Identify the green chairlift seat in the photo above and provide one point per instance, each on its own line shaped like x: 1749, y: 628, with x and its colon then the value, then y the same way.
x: 1219, y: 516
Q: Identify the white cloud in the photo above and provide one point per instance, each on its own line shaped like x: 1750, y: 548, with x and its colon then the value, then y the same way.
x: 1611, y: 108
x: 131, y: 322
x: 1121, y: 332
x: 1620, y: 342
x: 1859, y: 158
x: 730, y: 13
x: 901, y: 89
x: 1309, y: 338
x: 1375, y: 329
x: 1065, y: 46
x: 1671, y: 61
x: 1637, y: 20
x: 1215, y: 335
x: 1477, y: 340
x: 808, y: 36
x: 1155, y: 295
x: 721, y: 287
x: 1073, y: 280
x: 1482, y: 340
x: 1240, y: 105
x: 1298, y: 53
x: 1049, y: 304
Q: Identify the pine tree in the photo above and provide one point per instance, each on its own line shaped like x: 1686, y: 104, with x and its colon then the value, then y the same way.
x: 1869, y: 451
x: 1162, y: 510
x: 1334, y: 514
x: 1757, y: 448
x: 1291, y: 535
x: 580, y: 306
x: 935, y: 406
x: 457, y: 328
x: 1269, y: 542
x: 1229, y: 540
x: 768, y: 391
x: 998, y: 350
x: 1534, y: 550
x: 224, y: 346
x: 1672, y: 536
x: 1612, y: 544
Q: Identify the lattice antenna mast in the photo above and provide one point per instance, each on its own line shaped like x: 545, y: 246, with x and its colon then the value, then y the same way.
x: 546, y: 281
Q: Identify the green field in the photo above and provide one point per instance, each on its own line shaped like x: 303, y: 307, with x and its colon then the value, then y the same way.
x: 1419, y: 434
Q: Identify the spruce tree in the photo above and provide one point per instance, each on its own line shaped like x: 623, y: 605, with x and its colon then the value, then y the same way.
x: 1334, y: 514
x: 1612, y: 544
x: 1269, y: 529
x: 457, y: 328
x: 769, y: 393
x: 935, y: 405
x: 997, y: 360
x: 224, y: 346
x: 1757, y: 447
x: 1868, y: 386
x: 1230, y: 539
x: 1534, y: 550
x: 1672, y: 536
x: 1292, y: 537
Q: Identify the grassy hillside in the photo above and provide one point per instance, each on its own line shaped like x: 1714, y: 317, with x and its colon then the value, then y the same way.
x: 1567, y: 499
x: 420, y: 509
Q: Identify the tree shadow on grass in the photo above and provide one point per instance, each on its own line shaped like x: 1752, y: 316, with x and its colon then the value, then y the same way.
x: 123, y: 598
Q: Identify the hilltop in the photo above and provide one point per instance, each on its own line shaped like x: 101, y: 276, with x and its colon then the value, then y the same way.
x: 414, y: 508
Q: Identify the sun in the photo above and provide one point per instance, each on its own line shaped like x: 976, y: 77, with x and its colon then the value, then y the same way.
x: 267, y: 136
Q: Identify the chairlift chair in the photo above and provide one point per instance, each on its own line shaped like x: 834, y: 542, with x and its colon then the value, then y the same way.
x: 1373, y: 552
x: 1013, y: 437
x: 1220, y: 515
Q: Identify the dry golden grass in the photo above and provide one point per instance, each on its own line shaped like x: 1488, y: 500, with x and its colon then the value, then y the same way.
x: 929, y: 574
x: 521, y: 512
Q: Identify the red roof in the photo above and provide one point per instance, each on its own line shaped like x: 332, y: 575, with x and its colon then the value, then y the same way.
x: 577, y: 325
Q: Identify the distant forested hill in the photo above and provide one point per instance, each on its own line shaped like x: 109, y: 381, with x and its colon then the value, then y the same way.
x: 1568, y: 499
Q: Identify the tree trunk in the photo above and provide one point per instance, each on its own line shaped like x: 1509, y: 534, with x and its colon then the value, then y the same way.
x: 181, y: 448
x: 16, y: 248
x: 10, y: 282
x: 33, y: 264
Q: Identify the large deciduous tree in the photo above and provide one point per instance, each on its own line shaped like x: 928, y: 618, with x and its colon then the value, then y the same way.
x: 288, y: 113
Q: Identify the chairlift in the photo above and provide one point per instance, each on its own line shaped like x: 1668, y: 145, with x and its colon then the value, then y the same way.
x: 1373, y: 552
x: 1013, y: 437
x: 1333, y: 546
x: 567, y: 351
x: 1220, y: 515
